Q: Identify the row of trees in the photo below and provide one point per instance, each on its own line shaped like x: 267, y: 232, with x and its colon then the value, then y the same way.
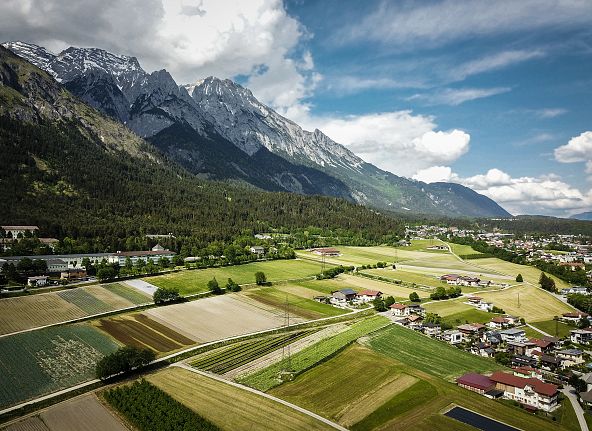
x: 547, y: 283
x: 443, y: 293
x: 334, y: 272
x: 123, y: 360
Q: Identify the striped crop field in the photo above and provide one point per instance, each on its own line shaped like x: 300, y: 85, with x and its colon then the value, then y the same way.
x: 228, y: 358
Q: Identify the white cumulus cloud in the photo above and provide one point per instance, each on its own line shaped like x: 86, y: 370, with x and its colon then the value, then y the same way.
x: 398, y: 141
x: 578, y: 149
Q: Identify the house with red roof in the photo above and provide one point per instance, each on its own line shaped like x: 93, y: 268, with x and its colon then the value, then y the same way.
x: 368, y: 295
x: 399, y: 309
x: 476, y: 383
x: 530, y: 392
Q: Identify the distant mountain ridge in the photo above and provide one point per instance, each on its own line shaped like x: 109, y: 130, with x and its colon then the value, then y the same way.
x: 202, y: 125
x: 586, y: 216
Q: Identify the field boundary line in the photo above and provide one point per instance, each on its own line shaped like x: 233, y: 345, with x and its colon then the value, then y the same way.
x: 263, y: 394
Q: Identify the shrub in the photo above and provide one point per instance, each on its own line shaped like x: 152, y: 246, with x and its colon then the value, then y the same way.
x: 260, y: 278
x: 214, y: 287
x: 519, y: 278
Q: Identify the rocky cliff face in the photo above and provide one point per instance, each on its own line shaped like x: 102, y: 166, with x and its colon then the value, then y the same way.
x: 217, y: 128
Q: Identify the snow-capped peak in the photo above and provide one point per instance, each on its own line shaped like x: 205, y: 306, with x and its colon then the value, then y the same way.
x: 35, y: 54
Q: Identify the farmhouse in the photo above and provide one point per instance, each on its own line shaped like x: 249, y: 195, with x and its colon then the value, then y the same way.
x: 69, y: 274
x: 368, y: 295
x: 476, y: 382
x: 38, y: 281
x: 343, y: 296
x: 413, y: 308
x: 581, y: 336
x: 326, y: 251
x: 257, y: 249
x: 414, y: 321
x: 460, y: 280
x: 498, y: 323
x: 531, y: 392
x: 399, y: 309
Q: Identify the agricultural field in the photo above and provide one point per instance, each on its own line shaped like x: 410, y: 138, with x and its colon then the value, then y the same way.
x: 296, y: 304
x: 141, y: 331
x: 370, y: 255
x: 27, y: 312
x: 267, y: 378
x: 81, y: 413
x: 132, y: 295
x: 428, y: 355
x: 407, y: 277
x: 228, y: 358
x: 219, y: 317
x: 469, y: 316
x: 535, y: 304
x: 357, y: 283
x: 448, y: 307
x: 195, y: 281
x: 43, y: 361
x: 348, y: 387
x: 529, y: 273
x: 554, y: 328
x: 231, y: 408
x: 443, y: 263
x: 461, y: 249
x: 368, y: 390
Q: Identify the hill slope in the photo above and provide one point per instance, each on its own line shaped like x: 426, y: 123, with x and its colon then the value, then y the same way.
x: 222, y: 114
x: 75, y: 172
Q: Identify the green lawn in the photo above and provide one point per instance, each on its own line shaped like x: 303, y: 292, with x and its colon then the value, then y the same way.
x: 307, y: 308
x: 194, y: 281
x: 461, y: 249
x: 305, y: 359
x: 471, y: 316
x: 428, y: 355
x: 553, y: 328
x: 449, y: 307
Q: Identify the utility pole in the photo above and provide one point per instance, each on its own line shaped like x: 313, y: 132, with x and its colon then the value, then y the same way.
x: 518, y: 299
x: 286, y: 359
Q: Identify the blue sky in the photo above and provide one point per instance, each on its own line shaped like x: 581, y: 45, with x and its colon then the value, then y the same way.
x: 493, y: 95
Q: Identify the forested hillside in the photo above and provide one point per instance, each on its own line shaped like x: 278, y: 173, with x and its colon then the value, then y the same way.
x: 75, y: 173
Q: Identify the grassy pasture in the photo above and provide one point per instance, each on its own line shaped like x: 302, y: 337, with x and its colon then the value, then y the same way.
x: 303, y: 307
x: 426, y: 354
x: 461, y: 249
x: 449, y: 307
x: 371, y: 380
x: 38, y: 362
x: 141, y: 331
x: 529, y: 273
x: 351, y: 255
x: 535, y: 304
x: 267, y: 378
x: 549, y: 327
x: 471, y: 316
x: 229, y: 407
x: 408, y: 277
x: 194, y: 281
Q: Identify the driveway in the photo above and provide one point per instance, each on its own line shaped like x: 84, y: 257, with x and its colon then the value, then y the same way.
x: 568, y: 391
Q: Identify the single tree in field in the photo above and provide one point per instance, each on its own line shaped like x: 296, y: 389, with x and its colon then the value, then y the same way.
x: 260, y: 278
x: 519, y: 278
x: 232, y: 286
x: 214, y: 287
x: 414, y: 297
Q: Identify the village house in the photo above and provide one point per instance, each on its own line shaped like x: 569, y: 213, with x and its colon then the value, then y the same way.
x: 530, y: 392
x: 399, y: 309
x: 343, y: 296
x: 452, y: 336
x: 528, y: 372
x: 525, y: 348
x: 499, y: 323
x: 431, y: 329
x: 549, y: 362
x: 524, y: 361
x: 37, y: 281
x: 70, y: 274
x: 414, y: 321
x: 544, y: 346
x: 368, y: 295
x: 513, y: 334
x: 570, y: 357
x: 575, y: 290
x: 414, y: 308
x: 460, y: 280
x: 581, y: 336
x: 573, y: 317
x: 257, y: 249
x: 482, y: 349
x: 471, y: 331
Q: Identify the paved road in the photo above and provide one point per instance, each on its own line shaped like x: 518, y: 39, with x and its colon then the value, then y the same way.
x: 568, y: 391
x: 263, y: 394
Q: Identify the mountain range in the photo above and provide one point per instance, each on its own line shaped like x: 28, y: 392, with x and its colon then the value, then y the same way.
x: 217, y: 129
x: 586, y: 216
